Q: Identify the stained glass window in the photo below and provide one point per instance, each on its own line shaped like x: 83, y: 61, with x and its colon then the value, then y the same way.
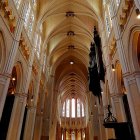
x: 73, y: 108
x: 63, y: 110
x: 107, y: 24
x: 38, y: 46
x: 17, y: 3
x: 78, y: 108
x: 83, y: 113
x: 68, y: 108
x: 30, y: 26
x: 44, y: 63
x: 27, y: 15
x: 109, y: 13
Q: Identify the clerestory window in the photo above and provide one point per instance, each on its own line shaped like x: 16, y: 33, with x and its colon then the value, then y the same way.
x: 73, y: 108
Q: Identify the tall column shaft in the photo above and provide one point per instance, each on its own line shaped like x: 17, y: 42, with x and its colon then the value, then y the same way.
x: 133, y: 96
x: 129, y: 79
x: 38, y: 127
x: 17, y: 117
x: 29, y: 126
x: 12, y: 54
x: 25, y: 87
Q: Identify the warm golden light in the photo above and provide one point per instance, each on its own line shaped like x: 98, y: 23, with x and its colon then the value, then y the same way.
x: 113, y: 68
x: 138, y: 13
x: 12, y: 92
x: 13, y: 78
x: 71, y: 62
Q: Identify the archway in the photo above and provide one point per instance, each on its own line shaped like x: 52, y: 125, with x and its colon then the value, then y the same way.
x: 2, y: 51
x: 6, y: 115
x: 134, y: 50
x: 123, y: 92
x: 138, y: 49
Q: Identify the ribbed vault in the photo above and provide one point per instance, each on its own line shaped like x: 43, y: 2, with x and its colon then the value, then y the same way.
x: 68, y: 32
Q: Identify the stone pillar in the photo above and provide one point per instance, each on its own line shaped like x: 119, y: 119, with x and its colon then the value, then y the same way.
x: 5, y: 78
x: 101, y: 119
x: 49, y: 108
x: 58, y: 132
x: 86, y: 131
x: 38, y: 127
x: 21, y: 98
x: 30, y: 121
x: 76, y: 134
x: 17, y: 116
x: 120, y: 47
x: 29, y: 126
x: 119, y: 107
x: 130, y: 81
x: 81, y: 134
x: 64, y: 134
x: 133, y: 96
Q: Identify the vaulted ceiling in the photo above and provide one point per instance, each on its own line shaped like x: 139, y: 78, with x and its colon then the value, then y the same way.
x: 68, y: 31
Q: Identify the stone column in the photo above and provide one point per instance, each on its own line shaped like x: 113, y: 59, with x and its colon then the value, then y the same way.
x: 76, y: 134
x: 64, y: 134
x: 17, y: 116
x: 13, y: 131
x: 30, y: 121
x: 101, y: 119
x: 130, y: 80
x: 5, y: 78
x: 29, y: 126
x: 120, y: 47
x: 81, y: 134
x: 38, y: 127
x: 49, y: 105
x: 119, y: 107
x: 133, y: 96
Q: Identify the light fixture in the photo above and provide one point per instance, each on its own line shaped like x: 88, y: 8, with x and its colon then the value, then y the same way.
x: 32, y: 98
x: 13, y: 79
x: 12, y: 92
x: 113, y: 68
x: 71, y: 62
x: 138, y: 13
x: 95, y: 104
x: 41, y: 111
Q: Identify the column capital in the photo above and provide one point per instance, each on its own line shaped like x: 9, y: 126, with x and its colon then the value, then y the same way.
x: 32, y: 107
x: 116, y: 95
x: 21, y: 94
x: 5, y: 75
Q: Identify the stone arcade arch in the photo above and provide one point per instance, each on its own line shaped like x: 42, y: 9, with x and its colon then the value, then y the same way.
x: 133, y: 49
x: 2, y: 51
x: 14, y: 86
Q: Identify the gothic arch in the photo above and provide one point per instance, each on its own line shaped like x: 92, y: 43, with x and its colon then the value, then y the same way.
x: 19, y: 72
x: 118, y: 76
x: 2, y: 51
x: 30, y: 95
x: 133, y: 49
x: 106, y: 94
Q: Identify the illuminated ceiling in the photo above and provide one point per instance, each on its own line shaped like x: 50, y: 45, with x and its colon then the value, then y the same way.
x: 68, y: 31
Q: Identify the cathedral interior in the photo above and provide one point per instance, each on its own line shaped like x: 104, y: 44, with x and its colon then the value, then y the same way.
x: 69, y: 69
